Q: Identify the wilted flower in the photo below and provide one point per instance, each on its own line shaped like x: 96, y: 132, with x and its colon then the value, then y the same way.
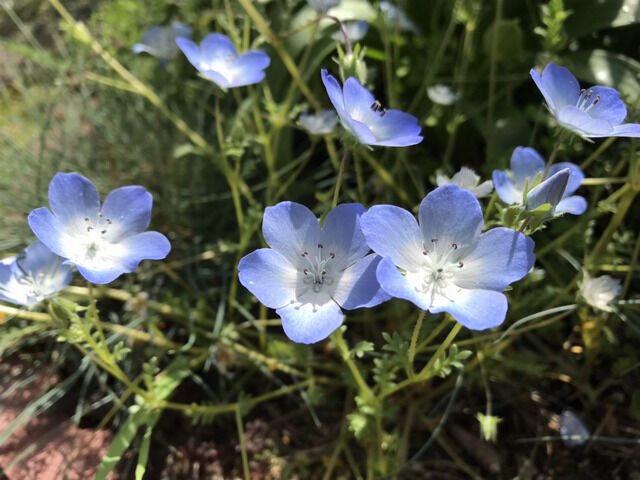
x: 397, y: 17
x: 160, y: 41
x: 365, y: 118
x: 573, y: 431
x: 319, y: 123
x: 442, y: 95
x: 526, y: 165
x: 310, y: 272
x: 589, y: 112
x: 323, y: 6
x: 33, y: 275
x: 599, y: 292
x: 467, y: 179
x: 216, y: 58
x: 103, y: 241
x: 355, y: 31
x: 445, y: 264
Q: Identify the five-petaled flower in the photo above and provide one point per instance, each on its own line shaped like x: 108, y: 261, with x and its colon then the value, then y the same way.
x: 33, y: 275
x: 320, y: 123
x: 310, y: 272
x: 589, y: 112
x: 216, y: 59
x: 103, y: 241
x: 445, y: 264
x: 365, y: 117
x: 467, y: 179
x: 160, y: 41
x: 556, y: 188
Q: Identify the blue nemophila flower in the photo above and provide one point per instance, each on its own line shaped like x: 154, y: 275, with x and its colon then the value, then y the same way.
x: 216, y: 58
x: 103, y: 241
x: 445, y: 264
x: 573, y: 431
x: 397, y: 17
x: 467, y: 179
x: 366, y: 119
x: 355, y: 31
x: 319, y: 123
x: 526, y: 165
x: 589, y: 112
x: 310, y: 272
x: 33, y: 275
x: 160, y: 41
x: 323, y: 6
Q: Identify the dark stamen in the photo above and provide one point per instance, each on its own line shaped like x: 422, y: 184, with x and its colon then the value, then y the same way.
x: 320, y: 245
x: 89, y: 229
x: 103, y: 232
x: 455, y: 246
x: 304, y: 254
x: 86, y: 219
x: 109, y: 221
x: 434, y: 240
x: 305, y: 271
x: 439, y: 270
x: 332, y: 255
x: 460, y: 264
x: 425, y: 252
x: 595, y: 102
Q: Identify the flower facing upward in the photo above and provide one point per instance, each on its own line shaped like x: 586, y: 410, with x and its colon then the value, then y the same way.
x: 526, y: 165
x: 35, y: 274
x: 589, y: 112
x: 445, y: 264
x: 310, y: 272
x: 467, y: 179
x: 599, y: 292
x: 319, y: 123
x: 160, y: 41
x: 365, y: 118
x: 103, y: 241
x: 216, y: 58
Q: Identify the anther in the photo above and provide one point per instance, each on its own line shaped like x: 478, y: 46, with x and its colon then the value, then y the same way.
x: 460, y: 264
x: 439, y: 270
x: 109, y: 221
x: 376, y: 106
x: 320, y: 245
x: 596, y: 100
x: 99, y: 214
x: 324, y: 272
x: 305, y: 271
x: 455, y: 246
x: 384, y: 110
x: 304, y: 254
x: 588, y: 95
x: 434, y: 240
x: 103, y: 232
x: 425, y: 252
x: 332, y: 255
x: 86, y: 219
x: 582, y: 90
x: 89, y: 229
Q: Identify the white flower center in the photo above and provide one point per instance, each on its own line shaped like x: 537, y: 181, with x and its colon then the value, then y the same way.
x: 440, y: 265
x: 221, y: 64
x: 97, y: 247
x: 318, y: 269
x: 586, y: 100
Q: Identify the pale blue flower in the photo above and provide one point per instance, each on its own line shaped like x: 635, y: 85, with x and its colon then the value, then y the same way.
x: 526, y: 165
x: 397, y: 18
x: 573, y: 431
x: 33, y: 275
x: 160, y: 41
x: 445, y: 264
x: 103, y: 241
x: 365, y: 118
x: 216, y: 59
x: 309, y: 272
x: 442, y: 95
x: 323, y: 6
x: 599, y: 292
x: 319, y: 123
x: 589, y: 112
x: 355, y: 31
x: 467, y: 179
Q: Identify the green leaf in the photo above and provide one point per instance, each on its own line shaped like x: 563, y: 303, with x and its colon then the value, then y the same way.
x: 143, y: 457
x: 592, y: 15
x: 361, y: 348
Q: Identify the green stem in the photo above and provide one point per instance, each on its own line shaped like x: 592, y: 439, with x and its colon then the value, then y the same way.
x: 414, y: 341
x: 441, y: 349
x: 243, y: 445
x: 338, y: 340
x: 336, y: 192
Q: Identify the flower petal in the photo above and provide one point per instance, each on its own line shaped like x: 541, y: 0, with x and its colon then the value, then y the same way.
x: 558, y: 86
x: 334, y: 90
x: 626, y: 130
x: 358, y: 130
x: 359, y: 287
x: 191, y: 50
x: 526, y: 163
x: 505, y: 188
x: 49, y: 231
x: 395, y: 128
x: 73, y: 197
x: 218, y: 78
x: 128, y: 209
x: 397, y: 285
x: 448, y: 215
x: 393, y: 232
x: 291, y: 229
x: 549, y: 191
x: 341, y: 234
x: 483, y: 189
x: 252, y: 60
x: 308, y: 322
x: 575, y: 176
x: 575, y: 205
x: 269, y: 277
x: 501, y: 256
x: 100, y: 276
x: 358, y: 101
x: 216, y: 45
x: 474, y: 309
x: 605, y: 103
x: 584, y: 124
